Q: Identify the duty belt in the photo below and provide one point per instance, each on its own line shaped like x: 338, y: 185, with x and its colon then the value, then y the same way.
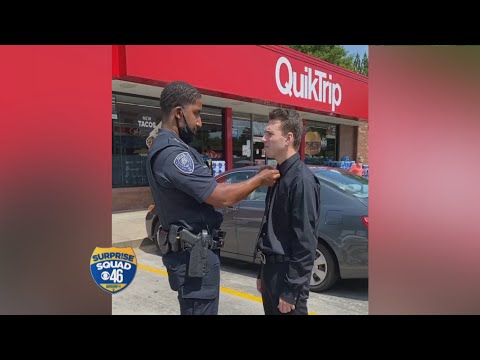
x: 213, y: 241
x: 180, y: 239
x: 211, y: 244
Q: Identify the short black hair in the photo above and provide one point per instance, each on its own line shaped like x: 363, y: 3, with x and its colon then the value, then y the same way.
x: 291, y: 122
x: 178, y: 93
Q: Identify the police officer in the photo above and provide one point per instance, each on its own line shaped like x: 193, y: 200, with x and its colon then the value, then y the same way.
x: 288, y: 235
x: 186, y: 194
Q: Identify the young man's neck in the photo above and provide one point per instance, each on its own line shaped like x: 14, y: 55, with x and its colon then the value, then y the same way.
x: 284, y: 157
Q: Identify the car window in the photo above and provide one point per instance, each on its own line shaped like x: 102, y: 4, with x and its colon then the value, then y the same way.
x: 259, y: 194
x: 354, y: 184
x: 235, y: 177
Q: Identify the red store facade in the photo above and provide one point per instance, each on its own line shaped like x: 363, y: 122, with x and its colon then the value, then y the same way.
x: 240, y: 84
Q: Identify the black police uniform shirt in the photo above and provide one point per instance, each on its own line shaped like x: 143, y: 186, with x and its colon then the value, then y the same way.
x: 292, y: 225
x: 182, y: 182
x: 181, y: 170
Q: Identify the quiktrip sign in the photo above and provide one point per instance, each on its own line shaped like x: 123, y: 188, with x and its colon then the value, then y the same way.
x: 264, y: 74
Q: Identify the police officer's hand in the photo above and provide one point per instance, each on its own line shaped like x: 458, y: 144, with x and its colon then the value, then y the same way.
x: 269, y: 176
x: 285, y: 307
x: 259, y: 285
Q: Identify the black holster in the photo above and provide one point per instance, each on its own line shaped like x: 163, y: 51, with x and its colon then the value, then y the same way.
x: 198, y: 246
x: 169, y: 241
x: 173, y: 238
x: 180, y: 239
x: 162, y: 241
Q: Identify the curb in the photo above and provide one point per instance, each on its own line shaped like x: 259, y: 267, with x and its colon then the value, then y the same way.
x: 135, y: 243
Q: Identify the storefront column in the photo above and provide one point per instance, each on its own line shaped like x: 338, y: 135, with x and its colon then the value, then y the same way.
x: 346, y: 142
x: 302, y: 143
x: 119, y: 61
x: 228, y: 126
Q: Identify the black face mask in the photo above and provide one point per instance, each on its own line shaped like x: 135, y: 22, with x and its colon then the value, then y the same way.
x: 186, y: 134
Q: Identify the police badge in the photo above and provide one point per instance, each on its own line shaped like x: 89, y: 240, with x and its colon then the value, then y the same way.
x: 184, y: 163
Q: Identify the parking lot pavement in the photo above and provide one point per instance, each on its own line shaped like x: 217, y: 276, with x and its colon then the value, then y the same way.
x: 150, y: 293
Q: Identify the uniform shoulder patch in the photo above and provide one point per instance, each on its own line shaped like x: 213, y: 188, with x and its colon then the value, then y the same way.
x: 184, y: 163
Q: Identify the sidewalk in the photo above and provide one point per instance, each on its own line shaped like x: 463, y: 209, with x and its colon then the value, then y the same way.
x: 128, y: 228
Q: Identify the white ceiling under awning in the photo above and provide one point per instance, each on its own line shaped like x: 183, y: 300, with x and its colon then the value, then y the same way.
x: 237, y: 106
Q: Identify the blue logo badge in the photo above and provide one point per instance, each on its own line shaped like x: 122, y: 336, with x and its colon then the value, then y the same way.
x: 184, y: 163
x: 113, y: 269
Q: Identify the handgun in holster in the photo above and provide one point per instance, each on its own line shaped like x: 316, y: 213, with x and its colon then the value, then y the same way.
x: 198, y: 245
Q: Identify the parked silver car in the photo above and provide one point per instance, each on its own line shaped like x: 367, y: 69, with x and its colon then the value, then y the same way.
x: 342, y: 250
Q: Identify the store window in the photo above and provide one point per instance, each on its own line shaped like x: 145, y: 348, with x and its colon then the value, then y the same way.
x: 320, y: 143
x: 209, y: 141
x: 133, y: 118
x: 259, y: 124
x: 247, y: 134
x: 242, y: 139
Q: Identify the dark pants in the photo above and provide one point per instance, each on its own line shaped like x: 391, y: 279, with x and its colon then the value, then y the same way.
x: 273, y: 279
x: 196, y: 296
x: 198, y: 306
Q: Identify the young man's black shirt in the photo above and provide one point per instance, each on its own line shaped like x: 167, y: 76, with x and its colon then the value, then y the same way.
x: 292, y: 223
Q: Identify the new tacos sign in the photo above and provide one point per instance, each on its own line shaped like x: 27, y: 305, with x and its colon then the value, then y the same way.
x: 308, y: 84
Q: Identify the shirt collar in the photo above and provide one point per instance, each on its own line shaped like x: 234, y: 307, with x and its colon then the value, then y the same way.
x: 287, y: 164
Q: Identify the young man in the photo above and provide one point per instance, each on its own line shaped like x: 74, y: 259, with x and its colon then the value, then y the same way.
x: 185, y: 194
x: 288, y: 238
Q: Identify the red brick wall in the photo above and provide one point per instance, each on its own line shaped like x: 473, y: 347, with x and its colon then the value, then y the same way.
x: 136, y: 198
x: 362, y: 142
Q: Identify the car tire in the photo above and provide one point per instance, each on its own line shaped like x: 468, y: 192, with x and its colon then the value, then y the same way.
x: 325, y: 270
